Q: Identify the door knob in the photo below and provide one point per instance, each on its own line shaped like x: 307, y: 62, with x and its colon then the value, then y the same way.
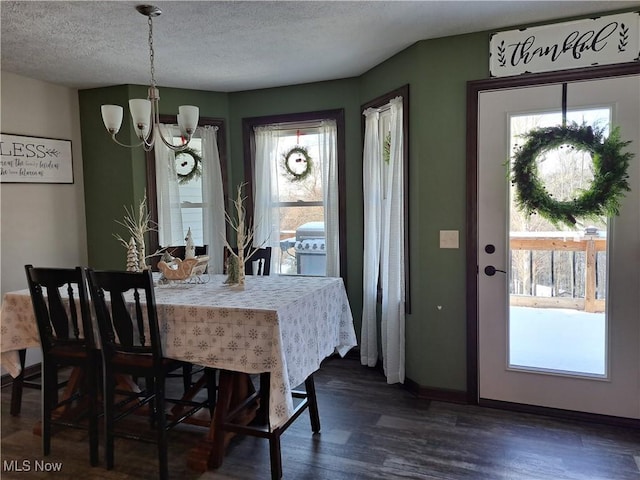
x: 490, y: 270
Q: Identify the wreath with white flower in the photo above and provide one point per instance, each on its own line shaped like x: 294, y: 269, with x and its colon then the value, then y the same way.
x: 190, y: 160
x: 601, y: 198
x: 297, y: 163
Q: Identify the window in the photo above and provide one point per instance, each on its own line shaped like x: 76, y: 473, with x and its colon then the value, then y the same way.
x: 293, y: 165
x: 186, y: 190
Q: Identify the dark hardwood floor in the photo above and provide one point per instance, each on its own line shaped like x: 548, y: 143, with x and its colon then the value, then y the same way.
x: 370, y: 430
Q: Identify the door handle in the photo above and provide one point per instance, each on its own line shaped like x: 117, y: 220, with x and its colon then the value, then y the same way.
x: 490, y: 270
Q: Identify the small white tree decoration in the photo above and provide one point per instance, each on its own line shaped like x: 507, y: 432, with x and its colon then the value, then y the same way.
x: 132, y: 257
x: 190, y: 248
x: 138, y: 225
x: 244, y: 240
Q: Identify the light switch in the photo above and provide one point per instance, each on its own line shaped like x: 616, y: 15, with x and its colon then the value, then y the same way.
x: 449, y: 239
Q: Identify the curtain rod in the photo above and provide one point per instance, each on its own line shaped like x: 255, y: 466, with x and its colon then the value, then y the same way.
x: 385, y: 107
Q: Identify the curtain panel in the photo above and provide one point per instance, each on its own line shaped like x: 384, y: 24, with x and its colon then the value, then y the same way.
x: 213, y: 219
x: 383, y: 194
x: 170, y: 231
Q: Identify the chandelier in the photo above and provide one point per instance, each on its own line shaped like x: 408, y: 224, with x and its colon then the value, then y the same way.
x: 145, y: 112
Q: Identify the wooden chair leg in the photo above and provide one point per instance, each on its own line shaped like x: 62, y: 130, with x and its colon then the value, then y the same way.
x: 210, y: 374
x: 108, y: 400
x: 49, y: 385
x: 91, y: 378
x: 313, y: 404
x: 216, y: 434
x: 17, y: 386
x: 275, y: 455
x: 187, y: 370
x: 263, y: 413
x: 161, y: 429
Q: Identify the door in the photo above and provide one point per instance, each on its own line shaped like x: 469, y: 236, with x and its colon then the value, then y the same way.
x: 509, y: 372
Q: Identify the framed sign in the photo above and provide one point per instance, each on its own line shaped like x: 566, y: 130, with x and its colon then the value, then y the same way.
x: 582, y: 43
x: 35, y: 160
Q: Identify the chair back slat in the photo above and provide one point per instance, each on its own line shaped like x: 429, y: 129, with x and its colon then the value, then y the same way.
x: 121, y: 319
x: 73, y: 310
x: 139, y: 318
x: 126, y: 312
x: 56, y: 315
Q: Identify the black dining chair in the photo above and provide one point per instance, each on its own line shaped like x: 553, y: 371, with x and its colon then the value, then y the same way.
x: 127, y: 320
x: 61, y: 307
x: 263, y: 258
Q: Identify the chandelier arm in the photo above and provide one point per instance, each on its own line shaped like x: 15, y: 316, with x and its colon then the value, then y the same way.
x: 113, y: 137
x: 175, y: 148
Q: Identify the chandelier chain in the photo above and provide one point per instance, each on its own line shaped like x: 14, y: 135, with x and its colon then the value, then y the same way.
x: 151, y: 52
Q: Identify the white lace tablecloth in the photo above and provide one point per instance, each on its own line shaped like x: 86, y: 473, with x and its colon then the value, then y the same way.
x: 285, y: 325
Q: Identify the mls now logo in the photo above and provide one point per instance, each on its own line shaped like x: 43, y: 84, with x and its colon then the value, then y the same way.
x: 30, y: 466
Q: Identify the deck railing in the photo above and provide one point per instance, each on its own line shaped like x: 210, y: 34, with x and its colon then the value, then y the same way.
x: 549, y: 270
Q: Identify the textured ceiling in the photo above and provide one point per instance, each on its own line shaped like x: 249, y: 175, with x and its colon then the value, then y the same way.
x: 238, y: 45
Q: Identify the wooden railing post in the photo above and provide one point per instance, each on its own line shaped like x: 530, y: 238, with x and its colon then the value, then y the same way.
x: 590, y: 276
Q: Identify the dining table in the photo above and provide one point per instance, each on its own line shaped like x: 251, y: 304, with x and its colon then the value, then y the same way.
x: 280, y: 325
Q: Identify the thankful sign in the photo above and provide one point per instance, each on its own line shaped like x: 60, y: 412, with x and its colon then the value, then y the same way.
x: 595, y: 41
x: 35, y: 160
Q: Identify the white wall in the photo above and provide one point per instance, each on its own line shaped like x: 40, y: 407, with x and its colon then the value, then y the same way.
x: 40, y: 224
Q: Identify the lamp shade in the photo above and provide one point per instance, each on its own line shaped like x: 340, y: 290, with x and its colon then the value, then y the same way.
x: 188, y: 118
x: 141, y: 115
x: 112, y: 118
x: 181, y: 126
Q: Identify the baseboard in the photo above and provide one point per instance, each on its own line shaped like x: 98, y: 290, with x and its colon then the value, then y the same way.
x: 437, y: 394
x: 563, y: 414
x: 30, y: 371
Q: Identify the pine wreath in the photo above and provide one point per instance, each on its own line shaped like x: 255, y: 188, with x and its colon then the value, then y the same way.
x: 297, y: 155
x: 196, y: 168
x: 602, y: 198
x: 386, y: 150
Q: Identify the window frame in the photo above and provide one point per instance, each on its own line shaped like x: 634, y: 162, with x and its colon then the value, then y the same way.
x: 248, y: 144
x: 152, y: 191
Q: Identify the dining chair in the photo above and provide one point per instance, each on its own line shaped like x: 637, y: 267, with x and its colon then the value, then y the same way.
x: 127, y: 320
x: 188, y: 372
x: 66, y: 337
x: 229, y: 419
x: 262, y: 257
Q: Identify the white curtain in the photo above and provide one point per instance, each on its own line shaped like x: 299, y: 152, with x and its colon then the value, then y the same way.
x: 383, y: 192
x: 212, y: 199
x: 266, y: 211
x: 327, y: 139
x: 170, y: 231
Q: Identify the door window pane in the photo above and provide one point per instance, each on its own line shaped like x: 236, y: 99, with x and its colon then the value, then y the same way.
x: 557, y: 276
